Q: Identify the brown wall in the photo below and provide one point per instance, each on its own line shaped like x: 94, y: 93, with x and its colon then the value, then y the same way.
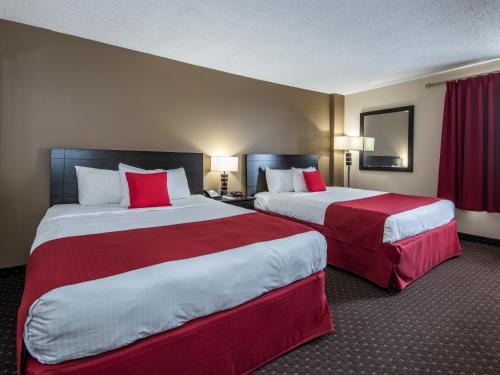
x: 61, y: 91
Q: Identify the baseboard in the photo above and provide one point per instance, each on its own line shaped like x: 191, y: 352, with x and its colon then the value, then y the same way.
x: 479, y: 239
x: 10, y: 271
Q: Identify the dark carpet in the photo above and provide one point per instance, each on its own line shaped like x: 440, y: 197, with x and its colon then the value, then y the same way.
x: 447, y: 322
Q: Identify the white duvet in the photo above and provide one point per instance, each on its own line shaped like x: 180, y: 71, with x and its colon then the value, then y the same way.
x: 311, y: 207
x: 96, y: 316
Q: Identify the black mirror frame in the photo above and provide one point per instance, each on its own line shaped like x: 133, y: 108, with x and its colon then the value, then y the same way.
x: 411, y: 112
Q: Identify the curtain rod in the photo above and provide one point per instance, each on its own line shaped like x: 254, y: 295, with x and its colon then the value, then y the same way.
x: 432, y: 84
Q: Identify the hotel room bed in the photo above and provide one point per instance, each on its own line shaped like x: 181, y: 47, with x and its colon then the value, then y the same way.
x: 390, y: 239
x: 197, y: 287
x: 312, y: 207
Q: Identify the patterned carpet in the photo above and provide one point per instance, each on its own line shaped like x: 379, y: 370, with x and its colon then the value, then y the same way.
x: 448, y: 322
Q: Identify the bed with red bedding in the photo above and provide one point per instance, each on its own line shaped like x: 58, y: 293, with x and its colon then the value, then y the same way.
x: 389, y: 239
x: 197, y: 287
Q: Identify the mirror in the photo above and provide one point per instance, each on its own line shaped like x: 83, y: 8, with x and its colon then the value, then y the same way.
x: 393, y: 132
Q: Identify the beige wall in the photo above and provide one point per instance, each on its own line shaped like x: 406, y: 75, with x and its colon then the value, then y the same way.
x: 429, y: 105
x: 62, y: 91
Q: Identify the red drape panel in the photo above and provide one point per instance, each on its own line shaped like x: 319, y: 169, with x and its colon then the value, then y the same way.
x: 469, y: 168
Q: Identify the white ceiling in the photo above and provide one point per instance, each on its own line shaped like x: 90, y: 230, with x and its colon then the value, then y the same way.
x: 322, y: 45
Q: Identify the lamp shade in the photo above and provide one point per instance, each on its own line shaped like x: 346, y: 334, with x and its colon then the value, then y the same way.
x: 224, y: 163
x: 347, y: 142
x: 368, y: 144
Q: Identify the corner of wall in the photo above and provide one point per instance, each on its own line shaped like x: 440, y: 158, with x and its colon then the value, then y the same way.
x: 337, y: 104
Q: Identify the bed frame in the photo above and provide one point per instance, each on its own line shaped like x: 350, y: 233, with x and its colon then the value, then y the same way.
x: 213, y: 336
x: 256, y: 165
x: 434, y: 246
x: 63, y: 183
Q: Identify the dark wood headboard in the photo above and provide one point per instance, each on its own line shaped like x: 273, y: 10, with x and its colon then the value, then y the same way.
x: 63, y: 183
x: 256, y: 165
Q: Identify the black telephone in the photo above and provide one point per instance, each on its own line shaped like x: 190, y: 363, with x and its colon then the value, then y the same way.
x: 211, y: 193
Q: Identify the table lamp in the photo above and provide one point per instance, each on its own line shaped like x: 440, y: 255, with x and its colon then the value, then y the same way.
x: 224, y: 164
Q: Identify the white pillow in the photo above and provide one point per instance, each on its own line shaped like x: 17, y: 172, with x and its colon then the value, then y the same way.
x: 177, y: 184
x: 279, y: 180
x: 299, y: 183
x: 98, y: 186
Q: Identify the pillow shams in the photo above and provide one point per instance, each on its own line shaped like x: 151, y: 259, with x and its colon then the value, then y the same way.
x: 122, y: 169
x: 178, y: 187
x: 299, y: 184
x: 148, y: 189
x: 98, y: 186
x: 314, y: 181
x: 279, y: 180
x: 177, y: 184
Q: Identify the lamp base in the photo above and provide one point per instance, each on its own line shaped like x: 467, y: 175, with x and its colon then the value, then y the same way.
x: 348, y: 162
x: 224, y: 177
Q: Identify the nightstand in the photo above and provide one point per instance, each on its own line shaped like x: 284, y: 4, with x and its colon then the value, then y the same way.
x: 244, y: 201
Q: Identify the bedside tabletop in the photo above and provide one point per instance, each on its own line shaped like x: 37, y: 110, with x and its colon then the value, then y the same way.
x: 244, y: 201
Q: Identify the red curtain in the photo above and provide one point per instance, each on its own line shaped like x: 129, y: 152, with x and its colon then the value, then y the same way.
x: 469, y: 168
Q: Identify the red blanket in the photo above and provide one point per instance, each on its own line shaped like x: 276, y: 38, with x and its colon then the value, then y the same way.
x: 77, y: 259
x: 361, y: 221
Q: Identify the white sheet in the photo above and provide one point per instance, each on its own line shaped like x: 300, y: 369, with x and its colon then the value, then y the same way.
x: 73, y: 219
x: 92, y: 317
x: 311, y: 207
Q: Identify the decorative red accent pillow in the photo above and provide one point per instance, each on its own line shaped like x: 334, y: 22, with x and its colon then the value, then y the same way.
x: 314, y: 181
x: 147, y: 189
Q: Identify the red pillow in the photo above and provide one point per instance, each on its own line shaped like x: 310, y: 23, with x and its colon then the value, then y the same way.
x: 314, y: 181
x: 147, y: 189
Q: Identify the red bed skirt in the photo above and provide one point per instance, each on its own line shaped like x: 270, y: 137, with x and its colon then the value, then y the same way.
x: 400, y: 263
x: 236, y: 341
